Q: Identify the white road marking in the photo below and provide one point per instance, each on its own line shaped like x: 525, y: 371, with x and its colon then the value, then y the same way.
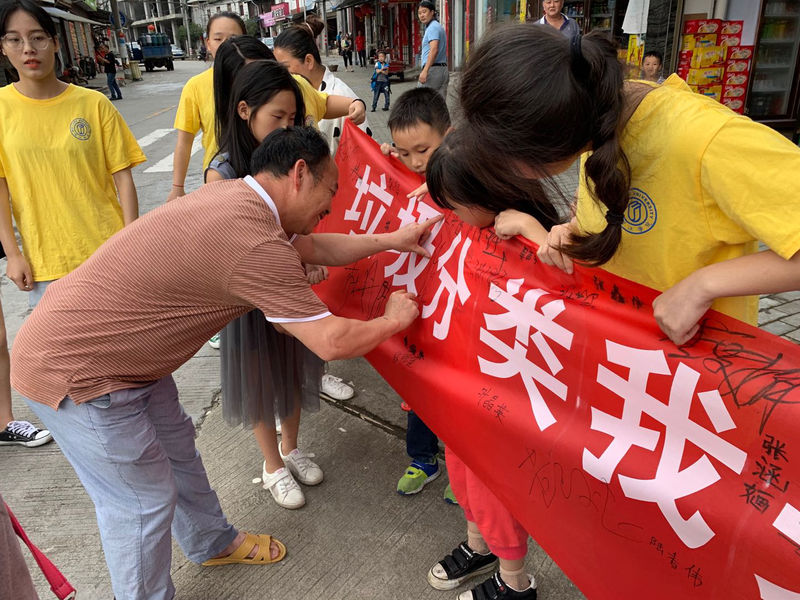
x: 153, y: 137
x: 165, y: 164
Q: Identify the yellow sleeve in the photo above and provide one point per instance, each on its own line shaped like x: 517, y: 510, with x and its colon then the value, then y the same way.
x: 316, y: 103
x: 188, y: 116
x: 119, y: 146
x: 750, y: 178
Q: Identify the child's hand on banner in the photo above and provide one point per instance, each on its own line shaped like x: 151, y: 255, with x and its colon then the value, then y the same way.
x: 548, y: 252
x: 679, y: 309
x: 402, y: 307
x: 420, y: 192
x: 389, y: 150
x: 316, y: 274
x: 358, y: 111
x: 411, y: 237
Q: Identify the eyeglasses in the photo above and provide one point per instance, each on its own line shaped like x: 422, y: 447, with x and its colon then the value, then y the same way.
x: 38, y: 41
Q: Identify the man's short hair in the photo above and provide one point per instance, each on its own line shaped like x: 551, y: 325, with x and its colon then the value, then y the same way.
x: 282, y: 148
x: 655, y: 54
x: 420, y: 106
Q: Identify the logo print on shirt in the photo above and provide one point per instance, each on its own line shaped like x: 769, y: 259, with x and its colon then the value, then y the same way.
x: 641, y: 215
x: 80, y: 129
x: 309, y: 121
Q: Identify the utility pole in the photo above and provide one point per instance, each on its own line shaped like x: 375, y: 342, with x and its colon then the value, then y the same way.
x: 325, y: 30
x: 184, y: 12
x: 305, y: 16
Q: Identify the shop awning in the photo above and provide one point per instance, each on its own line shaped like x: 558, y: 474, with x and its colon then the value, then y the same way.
x: 172, y: 17
x: 348, y: 4
x: 64, y: 15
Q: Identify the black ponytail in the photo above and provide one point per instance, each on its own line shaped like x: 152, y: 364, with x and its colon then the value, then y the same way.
x: 231, y: 56
x: 300, y: 40
x: 533, y: 95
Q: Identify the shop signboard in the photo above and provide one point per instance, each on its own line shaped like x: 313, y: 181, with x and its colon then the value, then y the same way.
x: 280, y: 12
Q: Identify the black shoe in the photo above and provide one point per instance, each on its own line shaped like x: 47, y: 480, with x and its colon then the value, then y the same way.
x: 387, y: 108
x: 462, y: 564
x: 373, y: 110
x: 495, y: 588
x: 22, y: 433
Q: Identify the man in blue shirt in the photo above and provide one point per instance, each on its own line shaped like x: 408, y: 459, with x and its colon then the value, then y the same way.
x: 434, y: 51
x: 555, y: 18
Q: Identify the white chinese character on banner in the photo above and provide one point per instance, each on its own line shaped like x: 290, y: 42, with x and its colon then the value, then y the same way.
x: 366, y: 188
x: 416, y: 263
x: 454, y: 287
x: 670, y: 482
x: 522, y: 316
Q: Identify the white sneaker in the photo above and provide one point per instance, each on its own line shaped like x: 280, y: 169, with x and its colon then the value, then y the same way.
x: 214, y: 341
x: 284, y: 488
x: 301, y: 465
x: 334, y: 388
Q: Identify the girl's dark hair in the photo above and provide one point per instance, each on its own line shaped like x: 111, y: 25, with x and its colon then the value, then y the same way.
x: 231, y: 57
x: 8, y: 8
x: 226, y: 15
x: 531, y: 93
x: 256, y: 84
x: 39, y: 14
x: 300, y: 40
x: 452, y: 179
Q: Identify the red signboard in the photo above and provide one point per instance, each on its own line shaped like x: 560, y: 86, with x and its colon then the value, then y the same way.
x: 643, y: 469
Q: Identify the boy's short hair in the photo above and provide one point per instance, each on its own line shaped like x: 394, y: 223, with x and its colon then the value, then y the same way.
x: 655, y: 54
x: 420, y: 105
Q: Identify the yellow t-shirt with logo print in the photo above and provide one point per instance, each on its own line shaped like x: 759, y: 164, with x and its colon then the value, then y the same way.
x: 58, y: 157
x: 316, y: 102
x: 706, y: 186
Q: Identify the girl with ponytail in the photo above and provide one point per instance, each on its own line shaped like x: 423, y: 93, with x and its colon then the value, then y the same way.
x: 296, y: 48
x: 675, y: 189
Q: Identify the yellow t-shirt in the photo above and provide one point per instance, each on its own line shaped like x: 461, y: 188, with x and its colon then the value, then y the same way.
x: 315, y: 101
x: 58, y: 157
x: 196, y: 111
x: 706, y: 185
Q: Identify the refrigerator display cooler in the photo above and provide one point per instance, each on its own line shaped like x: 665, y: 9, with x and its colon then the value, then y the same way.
x: 773, y: 94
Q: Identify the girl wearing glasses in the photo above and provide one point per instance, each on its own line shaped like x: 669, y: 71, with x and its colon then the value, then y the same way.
x: 65, y: 170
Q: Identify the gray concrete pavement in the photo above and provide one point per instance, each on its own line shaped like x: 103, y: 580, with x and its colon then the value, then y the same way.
x: 356, y: 538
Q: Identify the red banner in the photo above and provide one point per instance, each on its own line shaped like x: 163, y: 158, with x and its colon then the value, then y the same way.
x: 643, y: 469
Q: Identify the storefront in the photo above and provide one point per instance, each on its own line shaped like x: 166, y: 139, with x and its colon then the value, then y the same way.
x: 76, y: 33
x: 275, y: 20
x: 743, y: 53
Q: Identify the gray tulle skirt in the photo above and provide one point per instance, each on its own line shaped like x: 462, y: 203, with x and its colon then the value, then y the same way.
x: 265, y: 373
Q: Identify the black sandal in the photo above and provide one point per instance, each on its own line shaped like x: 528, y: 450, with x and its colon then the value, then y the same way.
x: 462, y: 564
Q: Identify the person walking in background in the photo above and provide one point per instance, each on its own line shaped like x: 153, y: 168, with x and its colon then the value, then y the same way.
x: 196, y: 106
x: 110, y: 64
x: 555, y: 18
x: 434, y: 50
x: 361, y: 50
x: 347, y: 52
x: 381, y: 82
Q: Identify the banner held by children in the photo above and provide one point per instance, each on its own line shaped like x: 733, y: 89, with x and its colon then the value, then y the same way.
x: 643, y: 469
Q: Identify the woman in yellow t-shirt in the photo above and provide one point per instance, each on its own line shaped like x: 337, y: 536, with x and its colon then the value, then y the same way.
x: 196, y: 106
x: 675, y: 191
x: 65, y: 154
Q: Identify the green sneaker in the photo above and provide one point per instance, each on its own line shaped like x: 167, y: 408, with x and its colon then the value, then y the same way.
x: 449, y: 496
x: 214, y: 341
x: 417, y: 476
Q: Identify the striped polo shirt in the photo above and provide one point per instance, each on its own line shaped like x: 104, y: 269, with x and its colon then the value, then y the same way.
x: 154, y: 293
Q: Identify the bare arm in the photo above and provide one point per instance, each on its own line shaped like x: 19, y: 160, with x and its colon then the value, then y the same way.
x: 18, y: 270
x: 342, y: 106
x: 213, y: 175
x: 128, y: 198
x: 679, y: 309
x: 336, y: 338
x: 432, y: 53
x: 339, y: 249
x: 180, y: 164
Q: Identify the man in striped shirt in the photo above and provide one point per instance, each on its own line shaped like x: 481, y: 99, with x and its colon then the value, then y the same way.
x: 95, y: 358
